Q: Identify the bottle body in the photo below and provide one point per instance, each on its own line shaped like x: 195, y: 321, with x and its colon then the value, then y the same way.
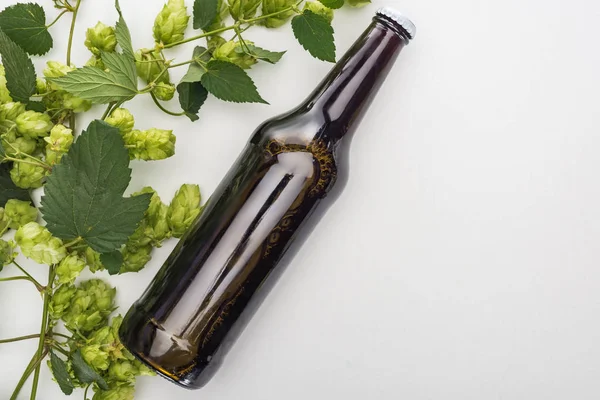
x: 291, y: 170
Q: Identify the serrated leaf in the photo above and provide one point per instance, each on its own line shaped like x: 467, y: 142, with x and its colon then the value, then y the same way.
x: 20, y: 74
x: 83, y: 195
x: 36, y: 106
x: 61, y: 374
x: 191, y: 97
x: 195, y: 70
x: 112, y: 261
x: 332, y: 3
x: 123, y: 35
x: 121, y: 67
x: 227, y: 81
x: 261, y: 54
x: 25, y: 24
x: 205, y: 12
x: 85, y: 373
x: 8, y: 190
x: 315, y: 34
x: 98, y: 86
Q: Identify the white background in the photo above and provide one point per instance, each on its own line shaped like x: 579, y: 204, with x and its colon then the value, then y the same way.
x: 461, y: 262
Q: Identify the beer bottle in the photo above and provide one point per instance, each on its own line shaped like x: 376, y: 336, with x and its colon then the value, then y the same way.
x: 291, y: 170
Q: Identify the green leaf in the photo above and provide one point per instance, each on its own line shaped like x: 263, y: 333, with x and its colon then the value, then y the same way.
x: 122, y: 67
x: 112, y: 261
x: 261, y: 54
x: 315, y: 34
x: 25, y: 24
x: 123, y: 35
x: 196, y: 70
x: 227, y: 81
x: 332, y: 3
x: 99, y: 86
x: 205, y: 12
x: 61, y: 374
x: 36, y: 106
x: 191, y: 97
x: 20, y: 74
x: 83, y: 195
x: 85, y: 373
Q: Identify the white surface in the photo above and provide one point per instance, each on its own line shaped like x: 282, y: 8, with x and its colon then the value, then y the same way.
x: 462, y: 261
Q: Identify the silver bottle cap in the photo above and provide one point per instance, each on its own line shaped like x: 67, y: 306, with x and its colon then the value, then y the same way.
x: 400, y: 19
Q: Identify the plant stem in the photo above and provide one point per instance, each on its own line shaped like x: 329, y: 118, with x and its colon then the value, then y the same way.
x: 253, y: 20
x: 57, y: 18
x: 35, y: 360
x: 39, y: 285
x: 107, y: 111
x: 205, y: 34
x: 62, y: 335
x: 181, y: 63
x: 70, y: 44
x: 74, y: 241
x: 164, y: 109
x: 17, y: 339
x: 60, y: 350
x: 86, y: 390
x: 22, y: 278
x: 36, y: 163
x: 42, y: 344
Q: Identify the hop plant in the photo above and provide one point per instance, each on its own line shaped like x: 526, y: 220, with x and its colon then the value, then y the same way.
x: 41, y: 87
x: 33, y: 124
x: 10, y: 111
x: 95, y: 61
x: 61, y: 300
x: 318, y: 8
x: 184, y: 209
x: 4, y: 221
x: 153, y: 144
x: 7, y: 254
x: 248, y: 9
x: 100, y: 38
x: 19, y: 213
x: 90, y: 306
x: 273, y: 6
x: 4, y: 94
x: 37, y: 243
x: 357, y: 3
x: 134, y: 259
x: 15, y: 146
x: 121, y: 118
x: 117, y: 393
x: 233, y: 52
x: 55, y: 69
x: 171, y: 22
x: 154, y: 228
x: 92, y: 259
x: 164, y: 91
x: 95, y: 356
x: 58, y: 143
x: 150, y: 66
x: 69, y: 268
x: 27, y: 176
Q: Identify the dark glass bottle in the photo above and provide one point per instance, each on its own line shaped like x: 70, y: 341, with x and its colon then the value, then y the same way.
x: 293, y: 168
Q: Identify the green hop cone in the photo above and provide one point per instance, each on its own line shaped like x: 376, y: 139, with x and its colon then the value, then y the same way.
x: 100, y: 38
x: 164, y: 91
x: 90, y: 306
x: 171, y: 22
x: 117, y: 393
x: 16, y: 145
x: 233, y: 52
x: 41, y: 87
x: 318, y: 8
x: 33, y: 124
x: 37, y: 243
x: 27, y: 176
x: 10, y: 111
x: 69, y: 268
x: 184, y: 209
x: 150, y: 66
x: 123, y: 371
x: 95, y: 61
x: 19, y: 213
x: 92, y: 260
x: 7, y: 254
x: 154, y: 228
x: 95, y: 356
x: 358, y: 3
x: 74, y: 103
x: 4, y: 93
x: 273, y: 6
x: 4, y: 221
x: 55, y: 69
x: 153, y: 144
x: 135, y: 259
x: 60, y: 139
x: 248, y: 11
x: 61, y: 300
x: 121, y: 118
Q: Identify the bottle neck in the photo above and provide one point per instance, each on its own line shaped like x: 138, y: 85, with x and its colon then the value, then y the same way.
x: 346, y: 92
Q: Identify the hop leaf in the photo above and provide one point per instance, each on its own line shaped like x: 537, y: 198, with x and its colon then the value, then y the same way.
x: 59, y: 369
x: 192, y: 96
x: 315, y: 34
x: 20, y: 74
x: 318, y: 8
x: 83, y: 195
x: 86, y: 374
x: 228, y: 82
x: 205, y: 11
x: 25, y: 24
